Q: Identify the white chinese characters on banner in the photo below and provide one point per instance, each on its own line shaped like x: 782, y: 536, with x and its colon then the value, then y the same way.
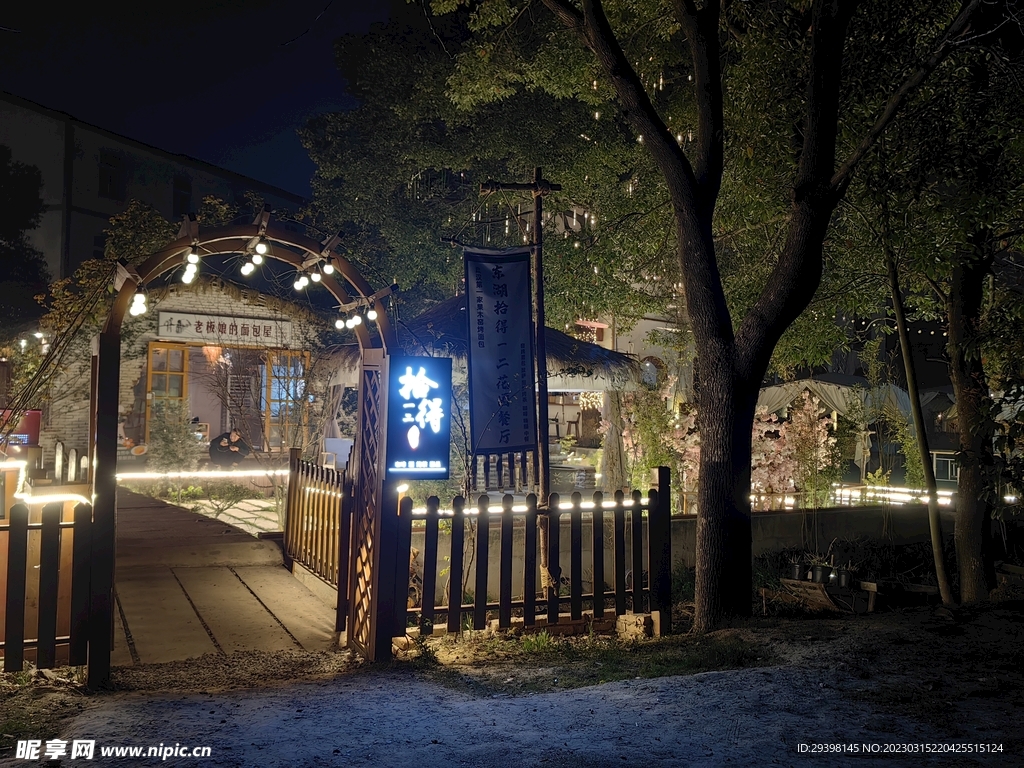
x: 419, y: 407
x: 429, y: 411
x: 221, y: 329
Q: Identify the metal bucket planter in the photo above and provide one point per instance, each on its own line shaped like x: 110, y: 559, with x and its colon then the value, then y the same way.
x: 797, y: 571
x: 844, y: 578
x: 820, y: 574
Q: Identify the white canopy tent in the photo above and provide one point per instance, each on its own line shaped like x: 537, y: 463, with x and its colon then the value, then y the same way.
x: 841, y: 394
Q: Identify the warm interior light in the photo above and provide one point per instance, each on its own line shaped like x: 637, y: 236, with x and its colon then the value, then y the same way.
x: 262, y: 246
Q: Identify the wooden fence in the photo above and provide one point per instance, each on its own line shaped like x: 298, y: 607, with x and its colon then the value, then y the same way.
x: 318, y: 525
x: 45, y: 585
x: 631, y: 532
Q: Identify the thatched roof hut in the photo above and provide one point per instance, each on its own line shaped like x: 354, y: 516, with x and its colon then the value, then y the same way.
x: 573, y: 365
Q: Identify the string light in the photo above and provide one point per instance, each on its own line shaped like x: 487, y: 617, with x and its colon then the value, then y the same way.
x: 248, y: 268
x: 262, y: 246
x: 329, y: 266
x: 371, y: 313
x: 315, y: 277
x: 138, y: 305
x: 257, y: 258
x: 193, y: 254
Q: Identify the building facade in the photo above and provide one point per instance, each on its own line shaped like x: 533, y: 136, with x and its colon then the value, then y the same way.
x: 90, y: 174
x: 226, y: 356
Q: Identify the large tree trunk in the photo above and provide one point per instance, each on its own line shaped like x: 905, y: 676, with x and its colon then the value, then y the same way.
x: 723, y: 551
x: 972, y: 403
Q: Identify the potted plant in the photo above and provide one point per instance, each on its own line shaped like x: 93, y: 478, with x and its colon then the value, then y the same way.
x: 844, y: 575
x: 821, y: 569
x: 797, y: 569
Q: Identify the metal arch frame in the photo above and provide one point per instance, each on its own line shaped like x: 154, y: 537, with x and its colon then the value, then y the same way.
x: 294, y: 249
x: 239, y: 239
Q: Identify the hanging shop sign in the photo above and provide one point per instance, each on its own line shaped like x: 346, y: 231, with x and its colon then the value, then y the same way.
x: 223, y: 330
x: 503, y: 413
x: 419, y: 418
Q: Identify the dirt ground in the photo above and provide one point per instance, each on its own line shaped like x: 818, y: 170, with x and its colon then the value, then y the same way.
x: 914, y: 676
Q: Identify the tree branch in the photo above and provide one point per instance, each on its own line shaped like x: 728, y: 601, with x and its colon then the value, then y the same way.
x: 701, y: 28
x: 896, y: 102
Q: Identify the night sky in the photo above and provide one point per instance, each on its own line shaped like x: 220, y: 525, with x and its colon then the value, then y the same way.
x: 222, y: 84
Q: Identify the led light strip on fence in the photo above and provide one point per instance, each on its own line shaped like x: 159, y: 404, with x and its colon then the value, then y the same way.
x: 202, y: 473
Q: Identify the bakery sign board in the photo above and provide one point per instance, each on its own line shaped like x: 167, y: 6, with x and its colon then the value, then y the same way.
x: 224, y: 330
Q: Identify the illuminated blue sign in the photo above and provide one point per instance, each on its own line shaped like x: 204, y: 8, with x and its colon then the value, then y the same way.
x: 419, y: 418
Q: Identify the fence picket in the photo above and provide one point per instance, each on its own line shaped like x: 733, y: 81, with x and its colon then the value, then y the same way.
x: 480, y: 587
x: 530, y: 563
x: 505, y: 565
x: 455, y: 572
x: 597, y: 548
x: 17, y: 563
x: 554, y: 578
x: 429, y: 566
x: 49, y: 569
x: 344, y: 545
x: 78, y: 650
x: 636, y: 519
x: 576, y: 558
x: 403, y: 572
x: 619, y: 527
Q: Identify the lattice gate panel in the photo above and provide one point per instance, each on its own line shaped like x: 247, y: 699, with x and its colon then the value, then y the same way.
x: 365, y: 512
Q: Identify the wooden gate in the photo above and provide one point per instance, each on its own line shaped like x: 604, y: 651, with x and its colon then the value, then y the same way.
x: 318, y: 528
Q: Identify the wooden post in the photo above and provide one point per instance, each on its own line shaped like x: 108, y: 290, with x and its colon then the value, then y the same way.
x: 538, y: 188
x: 659, y: 552
x: 101, y: 603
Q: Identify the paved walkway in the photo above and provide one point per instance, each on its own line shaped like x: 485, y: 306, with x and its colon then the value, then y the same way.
x: 187, y: 585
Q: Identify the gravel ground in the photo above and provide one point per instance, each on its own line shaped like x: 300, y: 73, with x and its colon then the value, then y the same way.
x: 915, y: 677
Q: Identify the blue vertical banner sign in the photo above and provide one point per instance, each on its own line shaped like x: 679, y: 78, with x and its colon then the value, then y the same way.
x: 503, y: 411
x: 419, y: 418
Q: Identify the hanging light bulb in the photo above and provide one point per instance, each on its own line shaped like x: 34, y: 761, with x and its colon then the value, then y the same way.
x: 339, y: 323
x: 371, y: 313
x: 138, y: 305
x: 193, y: 254
x: 329, y: 266
x: 188, y: 277
x: 297, y: 285
x: 349, y: 323
x: 315, y: 277
x: 304, y: 280
x: 248, y: 268
x: 262, y: 246
x: 257, y: 258
x: 357, y: 320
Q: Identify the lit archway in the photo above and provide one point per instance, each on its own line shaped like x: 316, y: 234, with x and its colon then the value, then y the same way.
x: 285, y: 246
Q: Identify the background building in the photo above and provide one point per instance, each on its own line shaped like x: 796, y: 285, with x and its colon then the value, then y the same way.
x: 90, y: 174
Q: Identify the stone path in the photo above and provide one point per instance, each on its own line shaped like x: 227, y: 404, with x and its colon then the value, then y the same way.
x: 187, y: 585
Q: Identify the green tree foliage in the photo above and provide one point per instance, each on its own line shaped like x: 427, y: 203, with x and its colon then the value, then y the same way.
x: 804, y: 85
x: 401, y: 174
